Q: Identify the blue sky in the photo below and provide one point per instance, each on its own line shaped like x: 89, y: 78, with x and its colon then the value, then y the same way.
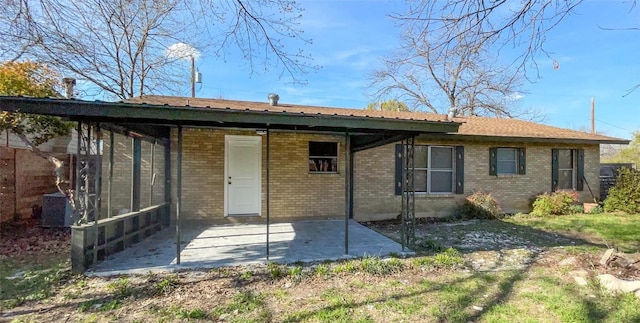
x: 350, y: 38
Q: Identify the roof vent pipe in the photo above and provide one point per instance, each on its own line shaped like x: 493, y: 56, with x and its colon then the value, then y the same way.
x: 69, y: 83
x: 273, y: 99
x: 453, y: 111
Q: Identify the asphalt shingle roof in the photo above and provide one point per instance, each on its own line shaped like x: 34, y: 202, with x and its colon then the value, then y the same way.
x: 471, y: 126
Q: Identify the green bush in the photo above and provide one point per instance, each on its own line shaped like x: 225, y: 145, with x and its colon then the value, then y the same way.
x: 575, y: 209
x: 479, y: 205
x: 625, y: 195
x: 596, y: 210
x: 556, y: 203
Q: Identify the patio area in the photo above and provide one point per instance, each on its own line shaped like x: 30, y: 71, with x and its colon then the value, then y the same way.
x: 245, y: 244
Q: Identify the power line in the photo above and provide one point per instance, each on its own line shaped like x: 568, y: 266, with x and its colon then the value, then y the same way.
x: 612, y: 125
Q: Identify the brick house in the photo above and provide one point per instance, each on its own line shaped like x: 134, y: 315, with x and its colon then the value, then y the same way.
x: 224, y: 173
x: 155, y: 161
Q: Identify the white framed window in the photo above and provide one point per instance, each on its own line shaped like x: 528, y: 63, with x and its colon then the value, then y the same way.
x: 433, y: 169
x: 323, y: 157
x: 566, y: 169
x: 507, y: 161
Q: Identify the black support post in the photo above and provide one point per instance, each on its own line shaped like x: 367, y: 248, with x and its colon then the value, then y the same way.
x: 347, y: 196
x: 268, y: 183
x: 110, y: 180
x: 166, y: 221
x: 407, y: 231
x: 179, y: 193
x: 351, y: 183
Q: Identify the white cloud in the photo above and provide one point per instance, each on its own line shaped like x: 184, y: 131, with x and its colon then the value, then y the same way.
x: 182, y: 51
x: 515, y: 96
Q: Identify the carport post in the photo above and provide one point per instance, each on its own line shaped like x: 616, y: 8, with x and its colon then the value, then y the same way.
x: 110, y: 181
x: 347, y: 202
x: 179, y: 193
x: 267, y: 192
x: 351, y: 184
x: 97, y: 182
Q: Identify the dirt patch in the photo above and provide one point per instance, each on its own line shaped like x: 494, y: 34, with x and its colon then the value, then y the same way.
x: 486, y: 245
x: 26, y: 241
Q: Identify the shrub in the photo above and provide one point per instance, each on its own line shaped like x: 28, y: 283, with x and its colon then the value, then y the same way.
x: 625, y: 195
x: 596, y: 210
x: 479, y: 205
x: 556, y: 203
x: 575, y: 209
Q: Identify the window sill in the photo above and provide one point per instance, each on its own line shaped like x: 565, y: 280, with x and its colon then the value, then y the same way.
x: 507, y: 175
x: 437, y: 196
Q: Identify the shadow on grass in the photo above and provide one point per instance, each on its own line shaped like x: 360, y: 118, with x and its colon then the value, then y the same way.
x: 500, y: 236
x: 476, y: 297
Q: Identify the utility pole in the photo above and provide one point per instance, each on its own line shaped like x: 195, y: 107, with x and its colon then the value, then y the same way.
x: 593, y: 116
x: 193, y: 76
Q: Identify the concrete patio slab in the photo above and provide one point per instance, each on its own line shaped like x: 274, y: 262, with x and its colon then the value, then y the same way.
x: 245, y: 244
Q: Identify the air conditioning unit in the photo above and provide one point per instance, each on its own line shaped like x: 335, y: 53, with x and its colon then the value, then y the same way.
x: 56, y: 210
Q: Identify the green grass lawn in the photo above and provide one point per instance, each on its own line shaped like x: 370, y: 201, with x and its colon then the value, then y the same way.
x: 615, y: 230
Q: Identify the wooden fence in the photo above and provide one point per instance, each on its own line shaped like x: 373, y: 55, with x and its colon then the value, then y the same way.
x: 24, y: 178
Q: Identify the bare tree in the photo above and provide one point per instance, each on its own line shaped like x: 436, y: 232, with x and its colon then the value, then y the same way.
x: 438, y: 77
x: 449, y: 55
x: 493, y: 24
x: 119, y: 46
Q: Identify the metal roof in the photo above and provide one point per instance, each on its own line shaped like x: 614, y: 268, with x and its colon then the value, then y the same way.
x: 170, y: 115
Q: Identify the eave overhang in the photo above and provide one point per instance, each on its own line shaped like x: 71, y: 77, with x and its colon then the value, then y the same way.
x: 166, y: 115
x: 515, y: 139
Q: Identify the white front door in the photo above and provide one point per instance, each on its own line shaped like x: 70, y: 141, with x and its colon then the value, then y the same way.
x: 243, y: 175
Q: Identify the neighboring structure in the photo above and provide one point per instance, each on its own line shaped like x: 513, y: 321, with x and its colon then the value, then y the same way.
x: 608, y: 176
